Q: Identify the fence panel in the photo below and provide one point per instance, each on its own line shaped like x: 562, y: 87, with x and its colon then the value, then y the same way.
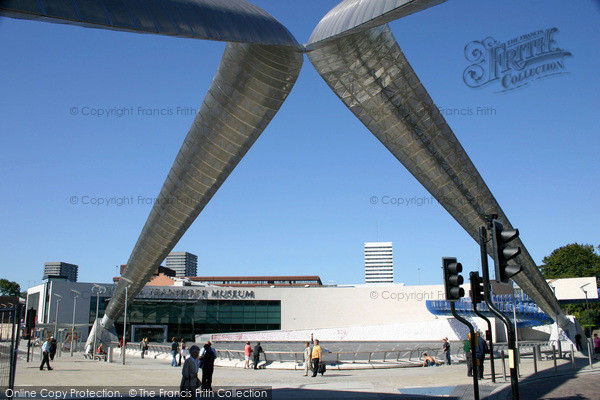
x: 9, y: 342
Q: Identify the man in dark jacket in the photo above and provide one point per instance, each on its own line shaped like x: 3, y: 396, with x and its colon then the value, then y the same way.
x: 189, y: 372
x: 207, y: 357
x: 52, y: 348
x: 256, y: 354
x: 480, y: 351
x: 174, y: 352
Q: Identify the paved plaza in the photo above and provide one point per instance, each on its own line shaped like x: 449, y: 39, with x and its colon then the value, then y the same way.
x: 411, y: 383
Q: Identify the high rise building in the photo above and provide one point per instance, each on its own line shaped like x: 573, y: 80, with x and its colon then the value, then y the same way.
x: 183, y: 263
x: 379, y: 262
x: 61, y: 269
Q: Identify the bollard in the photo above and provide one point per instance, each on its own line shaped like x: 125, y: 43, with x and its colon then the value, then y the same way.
x: 535, y: 360
x: 503, y: 365
x: 559, y: 347
x: 590, y: 349
x: 572, y: 357
x: 554, y: 357
x: 539, y: 352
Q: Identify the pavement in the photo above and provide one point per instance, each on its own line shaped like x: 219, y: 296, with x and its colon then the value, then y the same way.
x: 448, y: 382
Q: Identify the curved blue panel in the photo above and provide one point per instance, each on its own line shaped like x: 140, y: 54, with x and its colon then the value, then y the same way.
x: 224, y: 20
x: 528, y: 314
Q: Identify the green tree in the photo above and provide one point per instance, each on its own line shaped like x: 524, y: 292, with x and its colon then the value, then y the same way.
x: 575, y: 261
x: 9, y: 288
x: 572, y: 261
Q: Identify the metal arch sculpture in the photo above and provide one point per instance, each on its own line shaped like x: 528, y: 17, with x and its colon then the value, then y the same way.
x: 355, y: 53
x: 260, y: 65
x: 357, y: 56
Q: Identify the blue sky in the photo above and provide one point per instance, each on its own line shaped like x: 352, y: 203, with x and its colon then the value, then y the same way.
x: 299, y: 202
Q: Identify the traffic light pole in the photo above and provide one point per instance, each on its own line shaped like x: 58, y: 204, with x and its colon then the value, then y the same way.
x: 514, y: 377
x: 491, y: 344
x: 472, y: 342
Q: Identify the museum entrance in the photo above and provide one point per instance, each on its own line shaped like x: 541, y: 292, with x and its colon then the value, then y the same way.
x: 154, y: 333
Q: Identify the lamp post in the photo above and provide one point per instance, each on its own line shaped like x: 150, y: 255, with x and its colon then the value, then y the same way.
x: 587, y: 308
x: 98, y: 289
x: 129, y: 282
x: 56, y: 315
x: 77, y: 294
x: 514, y: 307
x: 556, y: 322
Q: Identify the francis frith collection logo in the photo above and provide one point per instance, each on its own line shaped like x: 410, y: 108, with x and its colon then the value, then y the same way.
x: 516, y: 62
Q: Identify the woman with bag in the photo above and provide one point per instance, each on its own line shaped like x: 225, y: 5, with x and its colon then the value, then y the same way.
x: 189, y: 379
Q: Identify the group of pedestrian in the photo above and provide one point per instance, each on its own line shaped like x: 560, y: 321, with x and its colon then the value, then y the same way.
x: 481, y: 349
x: 254, y: 353
x: 48, y: 352
x: 313, y: 358
x: 178, y: 350
x: 429, y: 361
x: 199, y: 359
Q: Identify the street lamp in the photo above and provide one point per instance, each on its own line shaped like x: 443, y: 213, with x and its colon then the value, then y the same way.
x: 99, y: 289
x: 56, y: 315
x: 587, y: 307
x: 514, y: 307
x: 559, y: 344
x: 129, y: 282
x: 77, y: 294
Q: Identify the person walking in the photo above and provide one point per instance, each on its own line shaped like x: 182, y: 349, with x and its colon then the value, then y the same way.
x: 578, y: 341
x: 596, y: 345
x: 446, y: 351
x: 207, y: 357
x: 468, y: 355
x: 256, y: 354
x: 307, y: 359
x: 174, y: 351
x: 480, y: 351
x: 183, y: 352
x: 46, y: 355
x: 247, y: 353
x: 189, y: 374
x: 316, y: 357
x: 144, y: 346
x: 52, y: 348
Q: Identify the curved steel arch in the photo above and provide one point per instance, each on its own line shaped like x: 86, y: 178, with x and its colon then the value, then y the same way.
x: 224, y: 20
x: 364, y: 66
x: 260, y: 65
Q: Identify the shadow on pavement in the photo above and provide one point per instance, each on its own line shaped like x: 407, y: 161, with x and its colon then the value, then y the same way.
x: 297, y: 394
x: 547, y: 381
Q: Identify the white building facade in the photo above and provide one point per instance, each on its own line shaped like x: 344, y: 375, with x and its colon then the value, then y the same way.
x: 379, y: 262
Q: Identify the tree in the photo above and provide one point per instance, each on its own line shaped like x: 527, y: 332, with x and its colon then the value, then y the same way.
x: 572, y: 261
x: 9, y: 288
x: 575, y: 261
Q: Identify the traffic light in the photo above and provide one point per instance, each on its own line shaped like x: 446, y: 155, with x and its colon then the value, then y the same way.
x: 452, y: 279
x: 476, y: 287
x: 503, y: 252
x: 30, y: 320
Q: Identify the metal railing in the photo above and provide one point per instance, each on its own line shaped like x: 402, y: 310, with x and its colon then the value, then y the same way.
x: 402, y: 357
